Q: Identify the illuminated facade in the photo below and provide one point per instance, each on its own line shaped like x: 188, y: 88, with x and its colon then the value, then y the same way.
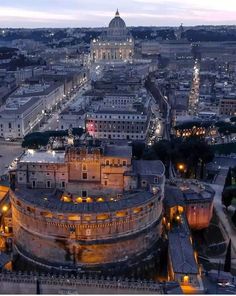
x: 119, y: 124
x: 123, y: 116
x: 86, y: 207
x: 192, y: 198
x: 228, y: 105
x: 114, y: 45
x: 195, y: 130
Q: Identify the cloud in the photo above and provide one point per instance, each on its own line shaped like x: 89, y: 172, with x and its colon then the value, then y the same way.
x: 10, y: 12
x: 226, y: 5
x: 64, y: 13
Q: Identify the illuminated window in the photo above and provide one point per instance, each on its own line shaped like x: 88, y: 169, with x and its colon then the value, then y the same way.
x: 121, y: 214
x: 137, y: 210
x: 74, y: 218
x: 79, y: 199
x: 185, y: 279
x: 100, y: 199
x: 102, y: 217
x: 87, y: 218
x: 46, y: 214
x: 66, y: 198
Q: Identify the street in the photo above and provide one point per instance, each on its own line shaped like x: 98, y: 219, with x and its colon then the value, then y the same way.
x: 52, y: 122
x: 8, y: 151
x: 194, y: 93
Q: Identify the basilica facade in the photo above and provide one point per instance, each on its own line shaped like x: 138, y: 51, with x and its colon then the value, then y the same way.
x: 115, y: 44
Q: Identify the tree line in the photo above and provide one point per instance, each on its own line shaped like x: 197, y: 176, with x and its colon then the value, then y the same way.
x: 41, y: 139
x: 229, y: 191
x: 193, y: 152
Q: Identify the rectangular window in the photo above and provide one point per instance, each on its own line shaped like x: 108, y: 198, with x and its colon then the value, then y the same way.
x: 84, y: 167
x: 85, y: 176
x: 124, y: 163
x: 63, y: 184
x: 33, y: 184
x: 48, y: 184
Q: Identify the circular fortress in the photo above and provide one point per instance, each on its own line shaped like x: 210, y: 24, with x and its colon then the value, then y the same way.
x: 87, y: 207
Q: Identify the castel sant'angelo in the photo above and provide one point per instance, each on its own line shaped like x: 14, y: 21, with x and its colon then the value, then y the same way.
x: 89, y: 207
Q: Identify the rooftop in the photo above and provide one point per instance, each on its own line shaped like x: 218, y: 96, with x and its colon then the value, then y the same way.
x: 34, y: 90
x: 147, y: 167
x: 181, y: 253
x: 179, y: 191
x: 51, y: 200
x: 42, y: 156
x: 19, y: 106
x: 173, y: 196
x: 118, y: 151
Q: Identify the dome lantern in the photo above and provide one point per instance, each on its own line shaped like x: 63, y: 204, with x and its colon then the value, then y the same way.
x: 117, y: 13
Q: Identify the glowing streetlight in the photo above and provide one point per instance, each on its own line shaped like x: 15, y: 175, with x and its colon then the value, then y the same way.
x: 181, y: 167
x: 5, y: 208
x: 178, y: 218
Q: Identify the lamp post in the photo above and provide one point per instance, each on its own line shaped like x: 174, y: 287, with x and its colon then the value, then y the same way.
x: 181, y: 168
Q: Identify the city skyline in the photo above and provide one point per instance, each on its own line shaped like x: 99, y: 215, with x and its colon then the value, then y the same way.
x: 76, y: 13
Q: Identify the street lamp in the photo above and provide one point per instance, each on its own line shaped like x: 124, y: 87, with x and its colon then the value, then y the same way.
x: 4, y: 208
x: 181, y: 167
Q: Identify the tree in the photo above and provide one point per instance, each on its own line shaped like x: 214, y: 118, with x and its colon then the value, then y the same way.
x: 226, y: 198
x: 138, y: 149
x: 227, y: 265
x: 163, y: 151
x: 35, y: 140
x: 195, y: 153
x: 228, y: 179
x: 77, y: 131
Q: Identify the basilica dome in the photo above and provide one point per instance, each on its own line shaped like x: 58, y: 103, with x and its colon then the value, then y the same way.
x: 117, y: 22
x: 117, y: 28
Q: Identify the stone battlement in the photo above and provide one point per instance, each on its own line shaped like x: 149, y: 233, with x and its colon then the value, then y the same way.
x: 19, y: 283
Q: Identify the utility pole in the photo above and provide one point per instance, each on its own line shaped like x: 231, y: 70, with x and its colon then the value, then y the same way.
x: 227, y: 265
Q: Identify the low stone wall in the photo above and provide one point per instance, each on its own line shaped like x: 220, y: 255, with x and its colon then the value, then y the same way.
x: 18, y: 283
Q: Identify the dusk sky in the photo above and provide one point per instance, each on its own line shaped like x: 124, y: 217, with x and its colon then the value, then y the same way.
x: 97, y: 13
